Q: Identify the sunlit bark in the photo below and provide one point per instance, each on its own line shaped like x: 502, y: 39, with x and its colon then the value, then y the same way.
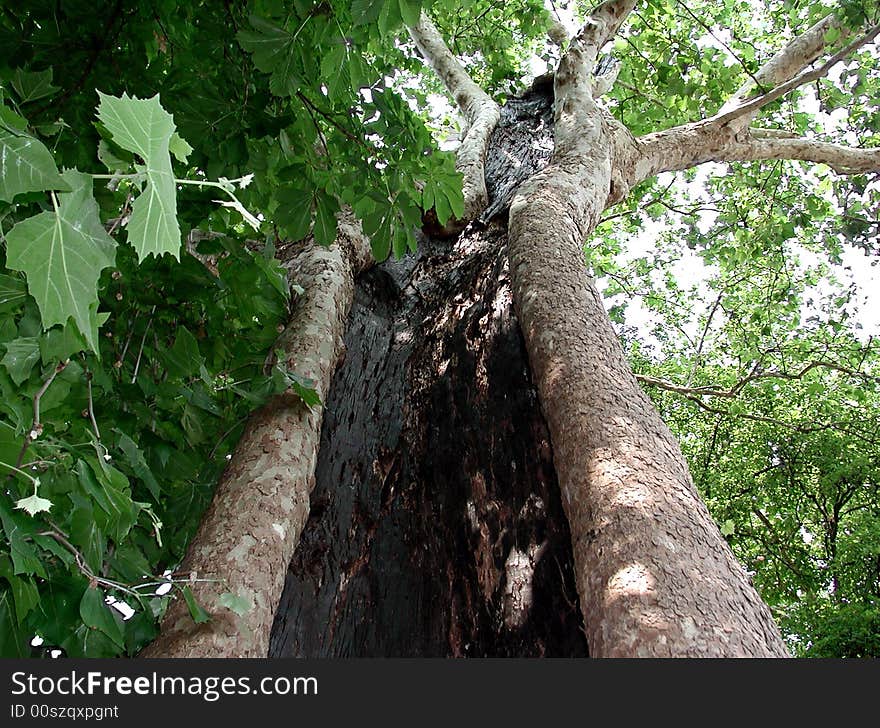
x: 251, y: 529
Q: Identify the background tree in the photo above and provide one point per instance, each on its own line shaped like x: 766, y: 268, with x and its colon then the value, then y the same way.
x: 313, y: 100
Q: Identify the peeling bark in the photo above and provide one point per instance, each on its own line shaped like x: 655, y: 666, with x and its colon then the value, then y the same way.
x: 436, y: 546
x: 655, y: 576
x: 253, y: 524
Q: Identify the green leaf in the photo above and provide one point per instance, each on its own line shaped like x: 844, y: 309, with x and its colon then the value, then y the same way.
x: 142, y: 126
x: 728, y: 528
x: 58, y: 344
x: 24, y: 591
x: 275, y: 272
x: 237, y: 604
x: 108, y: 487
x: 183, y: 359
x: 20, y: 357
x: 63, y: 253
x: 831, y: 35
x: 13, y: 292
x: 26, y: 166
x: 366, y: 11
x: 12, y: 121
x: 305, y: 389
x: 333, y: 69
x: 179, y: 147
x: 325, y: 220
x: 110, y: 159
x: 192, y: 424
x: 33, y: 85
x: 196, y: 611
x: 87, y: 536
x: 19, y: 530
x: 294, y: 213
x: 410, y: 11
x: 13, y: 639
x: 275, y: 52
x: 389, y: 17
x: 136, y: 460
x: 97, y: 615
x: 26, y: 596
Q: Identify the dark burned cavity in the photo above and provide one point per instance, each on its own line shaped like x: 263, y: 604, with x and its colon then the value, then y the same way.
x: 436, y: 527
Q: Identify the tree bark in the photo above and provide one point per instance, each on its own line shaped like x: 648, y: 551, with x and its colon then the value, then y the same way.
x: 437, y: 510
x: 253, y: 524
x: 436, y: 526
x: 655, y: 576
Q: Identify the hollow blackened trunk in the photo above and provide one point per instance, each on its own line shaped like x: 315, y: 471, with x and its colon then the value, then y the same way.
x: 436, y: 527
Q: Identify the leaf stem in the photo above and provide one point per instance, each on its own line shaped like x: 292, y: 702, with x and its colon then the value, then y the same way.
x: 37, y: 427
x: 21, y: 472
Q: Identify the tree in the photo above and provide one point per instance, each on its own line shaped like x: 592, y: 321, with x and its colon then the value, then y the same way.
x: 654, y: 575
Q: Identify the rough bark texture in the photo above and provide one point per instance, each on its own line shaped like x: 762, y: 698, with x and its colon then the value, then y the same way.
x: 436, y: 527
x: 655, y: 576
x: 250, y: 530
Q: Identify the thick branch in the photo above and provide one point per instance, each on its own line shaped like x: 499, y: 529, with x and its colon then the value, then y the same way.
x: 678, y: 149
x: 480, y: 113
x: 747, y: 108
x: 719, y: 138
x: 787, y: 63
x: 574, y: 80
x: 261, y: 504
x: 842, y: 159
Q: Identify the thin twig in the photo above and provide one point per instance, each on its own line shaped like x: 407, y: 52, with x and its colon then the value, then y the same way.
x: 37, y: 427
x: 92, y: 406
x: 757, y: 102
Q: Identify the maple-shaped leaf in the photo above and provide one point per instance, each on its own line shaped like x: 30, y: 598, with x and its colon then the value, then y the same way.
x: 142, y: 126
x: 275, y: 52
x: 62, y: 253
x: 25, y: 166
x: 33, y: 85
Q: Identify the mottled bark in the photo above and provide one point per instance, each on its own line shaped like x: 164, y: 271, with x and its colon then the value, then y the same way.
x: 480, y: 114
x: 249, y: 532
x: 436, y: 527
x: 417, y: 556
x: 655, y: 576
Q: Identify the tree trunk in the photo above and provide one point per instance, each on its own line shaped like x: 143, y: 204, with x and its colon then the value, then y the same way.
x: 253, y: 524
x: 655, y: 576
x: 436, y: 527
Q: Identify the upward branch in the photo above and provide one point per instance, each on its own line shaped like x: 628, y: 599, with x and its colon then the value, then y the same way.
x: 726, y: 136
x: 786, y: 64
x: 748, y: 108
x: 574, y: 82
x: 480, y: 113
